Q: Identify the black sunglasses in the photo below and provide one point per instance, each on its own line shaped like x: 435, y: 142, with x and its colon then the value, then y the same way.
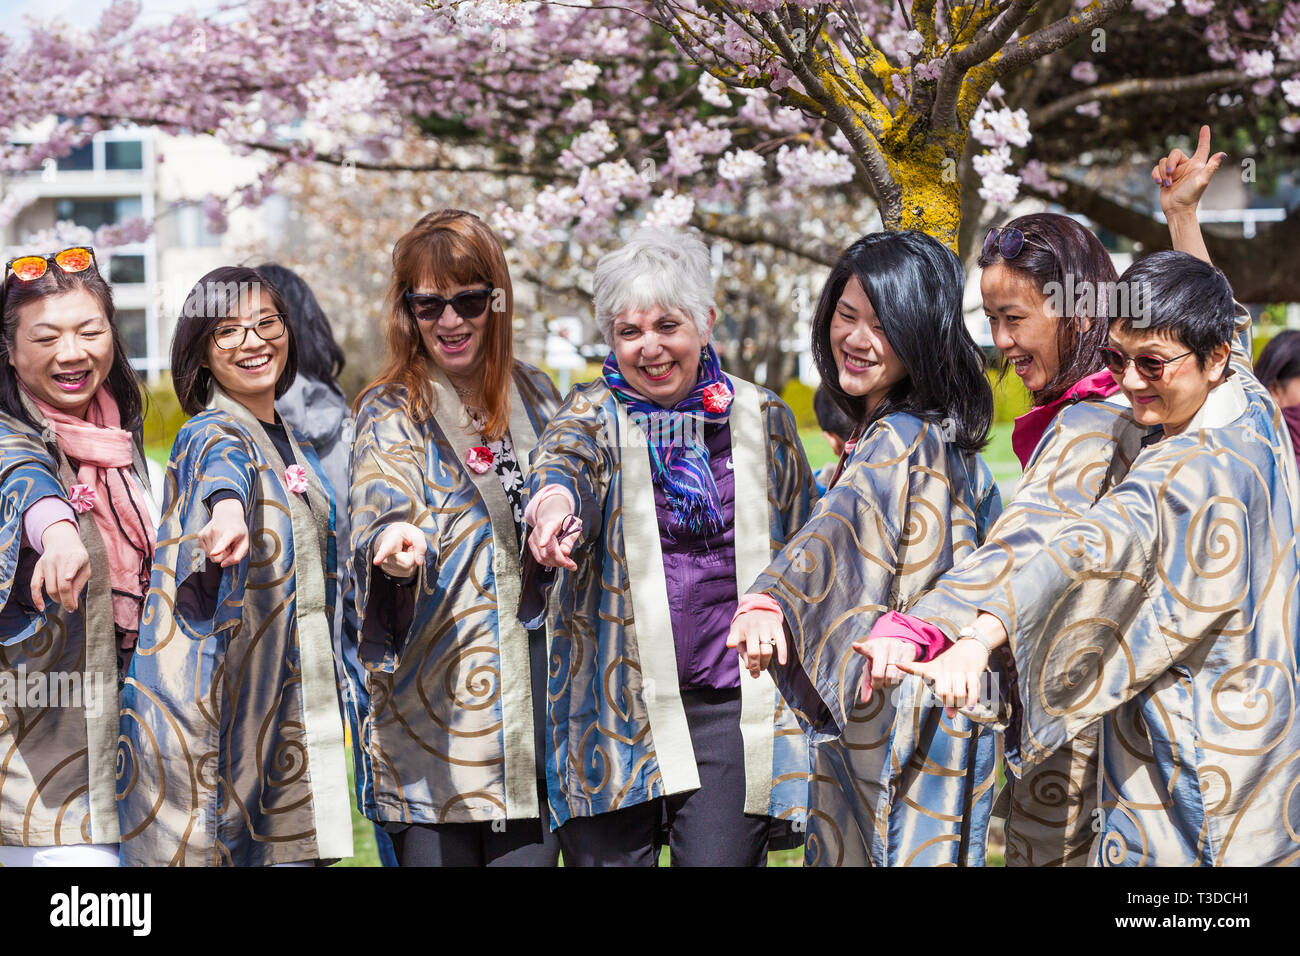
x: 1008, y: 242
x: 1150, y: 367
x: 428, y: 307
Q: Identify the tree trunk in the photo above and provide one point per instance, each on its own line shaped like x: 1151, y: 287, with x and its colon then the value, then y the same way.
x: 928, y: 177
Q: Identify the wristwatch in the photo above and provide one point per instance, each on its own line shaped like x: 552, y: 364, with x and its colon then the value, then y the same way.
x: 974, y: 635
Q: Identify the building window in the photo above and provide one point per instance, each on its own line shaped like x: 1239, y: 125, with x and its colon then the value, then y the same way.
x: 93, y: 213
x: 80, y: 159
x: 192, y: 227
x: 125, y: 269
x: 123, y: 154
x: 131, y: 326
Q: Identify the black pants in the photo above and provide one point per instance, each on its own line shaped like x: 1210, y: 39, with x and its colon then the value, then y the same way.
x: 706, y: 827
x: 500, y: 842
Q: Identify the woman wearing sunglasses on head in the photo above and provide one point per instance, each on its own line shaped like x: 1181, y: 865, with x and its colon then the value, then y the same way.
x: 231, y: 748
x: 894, y: 782
x: 450, y: 688
x: 74, y: 565
x: 661, y: 489
x: 1168, y: 610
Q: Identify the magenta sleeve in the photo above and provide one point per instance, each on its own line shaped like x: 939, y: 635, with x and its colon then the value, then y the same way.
x: 929, y: 640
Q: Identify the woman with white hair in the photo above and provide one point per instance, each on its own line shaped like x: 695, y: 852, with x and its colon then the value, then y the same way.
x: 646, y: 494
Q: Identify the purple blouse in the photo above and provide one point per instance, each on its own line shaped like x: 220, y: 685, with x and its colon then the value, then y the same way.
x: 700, y: 569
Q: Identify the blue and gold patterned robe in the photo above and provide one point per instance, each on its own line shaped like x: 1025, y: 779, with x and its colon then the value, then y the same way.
x: 56, y: 757
x: 232, y: 747
x: 1083, y: 453
x: 1169, y: 611
x: 442, y: 707
x: 617, y: 731
x: 895, y: 783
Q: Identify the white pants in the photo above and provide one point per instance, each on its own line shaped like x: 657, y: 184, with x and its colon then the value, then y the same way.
x: 77, y: 854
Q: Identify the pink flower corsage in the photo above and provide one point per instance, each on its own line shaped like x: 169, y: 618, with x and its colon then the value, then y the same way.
x: 479, y: 459
x: 82, y: 498
x: 295, y: 479
x: 717, y: 398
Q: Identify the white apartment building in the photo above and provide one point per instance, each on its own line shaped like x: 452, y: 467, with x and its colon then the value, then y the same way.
x: 130, y: 172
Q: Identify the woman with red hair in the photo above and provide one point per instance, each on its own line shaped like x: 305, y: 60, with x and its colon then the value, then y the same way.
x: 447, y: 686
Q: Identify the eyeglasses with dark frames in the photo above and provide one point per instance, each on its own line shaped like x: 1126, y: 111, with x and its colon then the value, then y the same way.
x: 268, y: 329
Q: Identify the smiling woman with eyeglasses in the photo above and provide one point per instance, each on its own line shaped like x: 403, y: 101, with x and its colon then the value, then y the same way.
x: 449, y: 687
x: 232, y: 735
x: 75, y: 564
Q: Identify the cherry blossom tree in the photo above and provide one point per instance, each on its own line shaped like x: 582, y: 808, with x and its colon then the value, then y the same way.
x: 736, y: 116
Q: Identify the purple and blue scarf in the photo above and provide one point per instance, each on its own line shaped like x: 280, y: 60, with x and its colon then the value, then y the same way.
x: 679, y: 459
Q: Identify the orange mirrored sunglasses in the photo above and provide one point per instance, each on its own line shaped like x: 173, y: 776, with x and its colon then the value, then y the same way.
x: 32, y: 267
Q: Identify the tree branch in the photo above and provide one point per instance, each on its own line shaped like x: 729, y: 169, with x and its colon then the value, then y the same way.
x: 743, y: 230
x: 1055, y: 35
x: 944, y: 111
x: 1122, y: 89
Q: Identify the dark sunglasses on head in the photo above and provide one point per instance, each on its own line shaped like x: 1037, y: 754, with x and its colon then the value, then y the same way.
x: 1008, y: 242
x: 428, y: 307
x: 1150, y: 367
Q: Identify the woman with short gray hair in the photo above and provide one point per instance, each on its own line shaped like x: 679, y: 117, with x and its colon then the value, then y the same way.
x: 643, y: 496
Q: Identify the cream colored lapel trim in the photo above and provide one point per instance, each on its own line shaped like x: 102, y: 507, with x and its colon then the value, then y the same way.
x: 653, y: 625
x: 512, y: 638
x: 758, y: 696
x: 322, y: 721
x: 1222, y: 406
x: 101, y: 661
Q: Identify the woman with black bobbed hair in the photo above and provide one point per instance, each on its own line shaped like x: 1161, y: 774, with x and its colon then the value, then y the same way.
x: 894, y: 781
x: 231, y: 748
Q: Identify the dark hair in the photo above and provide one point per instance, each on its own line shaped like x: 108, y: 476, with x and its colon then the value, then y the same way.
x: 1280, y: 359
x: 1181, y: 297
x: 221, y: 294
x: 319, y: 355
x: 830, y: 417
x: 122, y: 382
x: 1057, y: 249
x: 915, y: 286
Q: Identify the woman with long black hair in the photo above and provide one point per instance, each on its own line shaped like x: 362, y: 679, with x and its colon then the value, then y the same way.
x: 895, y: 782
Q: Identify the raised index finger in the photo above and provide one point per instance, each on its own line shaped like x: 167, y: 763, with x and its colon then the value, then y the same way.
x: 1203, y: 145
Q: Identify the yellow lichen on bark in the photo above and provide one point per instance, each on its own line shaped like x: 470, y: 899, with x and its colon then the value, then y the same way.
x: 926, y: 175
x: 977, y: 82
x: 963, y: 30
x: 846, y: 88
x: 923, y: 20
